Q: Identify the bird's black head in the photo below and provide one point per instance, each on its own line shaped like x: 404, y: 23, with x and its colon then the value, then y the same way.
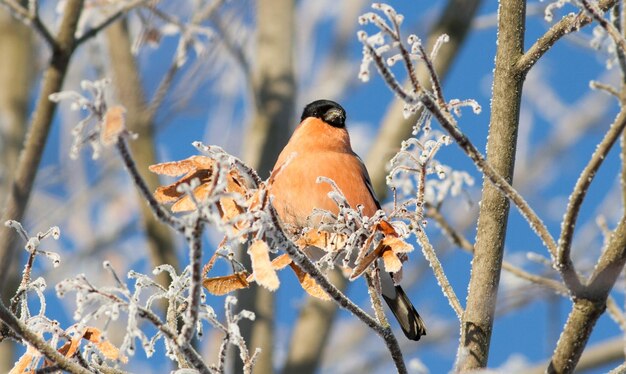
x: 327, y: 110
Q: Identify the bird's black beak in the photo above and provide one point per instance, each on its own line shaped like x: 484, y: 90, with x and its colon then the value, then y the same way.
x: 335, y: 117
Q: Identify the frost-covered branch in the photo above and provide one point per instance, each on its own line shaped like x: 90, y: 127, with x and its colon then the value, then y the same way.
x: 568, y: 24
x: 578, y: 195
x: 34, y: 339
x: 431, y: 256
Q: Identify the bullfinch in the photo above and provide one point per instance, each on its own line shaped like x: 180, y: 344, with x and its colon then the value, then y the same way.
x: 320, y: 146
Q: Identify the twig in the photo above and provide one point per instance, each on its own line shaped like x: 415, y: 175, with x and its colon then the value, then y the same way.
x: 32, y: 338
x: 30, y: 18
x: 377, y: 304
x: 194, y: 239
x: 613, y: 32
x: 616, y: 313
x: 568, y: 24
x: 431, y: 256
x: 161, y: 213
x: 104, y: 24
x: 578, y: 195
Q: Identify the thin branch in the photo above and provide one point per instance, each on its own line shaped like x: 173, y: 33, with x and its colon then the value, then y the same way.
x: 374, y: 291
x: 30, y: 19
x: 613, y: 32
x: 479, y: 160
x: 32, y: 338
x: 161, y: 213
x: 105, y: 23
x: 431, y: 256
x: 579, y: 193
x: 195, y: 257
x: 568, y: 24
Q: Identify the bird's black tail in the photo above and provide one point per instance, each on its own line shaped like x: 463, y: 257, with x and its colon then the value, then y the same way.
x: 410, y: 321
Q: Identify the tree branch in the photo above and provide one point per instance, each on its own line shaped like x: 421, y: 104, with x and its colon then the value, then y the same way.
x: 37, y: 136
x: 568, y: 24
x: 478, y: 318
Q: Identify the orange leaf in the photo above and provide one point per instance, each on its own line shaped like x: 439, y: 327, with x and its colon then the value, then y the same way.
x: 186, y: 204
x: 176, y: 168
x: 112, y: 125
x: 391, y: 261
x: 278, y: 263
x: 386, y: 228
x: 169, y: 193
x: 281, y: 261
x: 366, y: 261
x: 309, y: 284
x: 397, y: 245
x: 226, y: 284
x: 230, y: 209
x: 109, y: 351
x: 24, y: 362
x: 68, y: 349
x: 264, y: 272
x: 328, y: 241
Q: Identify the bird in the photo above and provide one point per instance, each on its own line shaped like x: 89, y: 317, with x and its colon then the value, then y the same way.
x: 320, y: 146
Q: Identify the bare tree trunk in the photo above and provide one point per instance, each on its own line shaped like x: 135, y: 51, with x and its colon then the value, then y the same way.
x: 37, y: 135
x: 478, y: 318
x: 140, y: 119
x: 15, y: 84
x: 274, y: 97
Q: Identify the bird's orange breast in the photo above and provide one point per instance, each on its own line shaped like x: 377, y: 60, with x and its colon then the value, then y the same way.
x: 317, y: 149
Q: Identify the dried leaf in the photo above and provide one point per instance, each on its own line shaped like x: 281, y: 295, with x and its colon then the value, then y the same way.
x: 397, y: 245
x: 264, y: 272
x: 176, y: 168
x: 226, y: 284
x: 391, y: 261
x: 186, y: 204
x: 366, y: 261
x: 24, y: 362
x: 309, y: 284
x: 386, y: 228
x: 112, y: 125
x: 109, y: 351
x: 327, y: 241
x: 169, y: 193
x: 229, y: 208
x: 281, y: 261
x: 69, y: 349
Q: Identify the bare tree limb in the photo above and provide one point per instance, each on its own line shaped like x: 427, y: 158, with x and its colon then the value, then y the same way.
x: 590, y: 304
x: 478, y: 318
x: 20, y: 329
x: 38, y: 132
x: 32, y: 20
x: 597, y: 355
x: 568, y: 24
x: 578, y: 195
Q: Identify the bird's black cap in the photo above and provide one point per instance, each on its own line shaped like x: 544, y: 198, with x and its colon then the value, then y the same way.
x: 327, y: 110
